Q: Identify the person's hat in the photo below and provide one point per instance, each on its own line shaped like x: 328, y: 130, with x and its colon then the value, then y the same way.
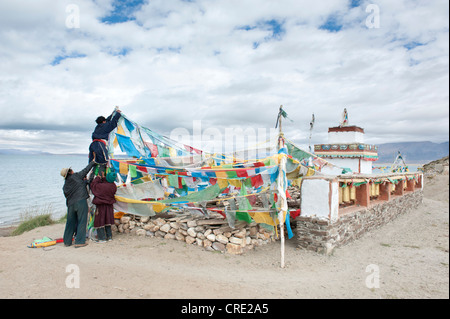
x: 65, y: 171
x: 111, y: 177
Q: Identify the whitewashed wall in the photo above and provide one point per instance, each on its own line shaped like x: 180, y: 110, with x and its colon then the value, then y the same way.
x: 345, y: 137
x: 352, y: 163
x: 319, y: 199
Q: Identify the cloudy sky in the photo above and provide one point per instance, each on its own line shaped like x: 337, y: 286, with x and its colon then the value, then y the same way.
x: 226, y: 63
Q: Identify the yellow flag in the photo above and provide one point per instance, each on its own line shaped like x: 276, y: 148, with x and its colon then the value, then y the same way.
x: 222, y: 182
x: 120, y: 130
x: 235, y: 182
x: 157, y: 207
x: 297, y: 182
x: 262, y: 217
x: 123, y: 168
x: 221, y: 174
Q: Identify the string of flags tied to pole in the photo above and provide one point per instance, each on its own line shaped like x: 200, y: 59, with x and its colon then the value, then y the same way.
x: 160, y: 174
x: 398, y: 166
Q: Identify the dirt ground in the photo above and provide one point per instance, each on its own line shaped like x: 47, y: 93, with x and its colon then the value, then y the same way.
x: 409, y: 256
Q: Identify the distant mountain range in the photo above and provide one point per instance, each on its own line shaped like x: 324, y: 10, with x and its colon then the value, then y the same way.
x: 412, y: 152
x: 21, y: 152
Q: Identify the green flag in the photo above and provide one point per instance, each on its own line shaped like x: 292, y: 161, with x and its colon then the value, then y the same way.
x: 244, y: 216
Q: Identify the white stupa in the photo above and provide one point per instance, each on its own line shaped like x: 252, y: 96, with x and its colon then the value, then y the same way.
x: 346, y: 148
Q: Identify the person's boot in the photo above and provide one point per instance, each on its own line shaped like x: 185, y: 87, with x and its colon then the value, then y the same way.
x: 108, y: 233
x: 101, y: 235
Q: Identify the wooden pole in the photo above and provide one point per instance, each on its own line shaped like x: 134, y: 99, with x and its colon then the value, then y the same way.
x: 281, y: 215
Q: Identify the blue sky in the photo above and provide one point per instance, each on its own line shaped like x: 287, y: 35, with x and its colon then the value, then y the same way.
x: 226, y: 63
x: 122, y: 11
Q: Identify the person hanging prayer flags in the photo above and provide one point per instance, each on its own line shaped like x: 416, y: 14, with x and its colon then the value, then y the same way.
x: 100, y: 138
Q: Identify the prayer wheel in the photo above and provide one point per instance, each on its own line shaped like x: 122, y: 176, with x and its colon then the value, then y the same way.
x: 377, y: 189
x: 346, y: 195
x: 341, y: 201
x: 353, y: 193
x: 372, y: 189
x: 392, y: 187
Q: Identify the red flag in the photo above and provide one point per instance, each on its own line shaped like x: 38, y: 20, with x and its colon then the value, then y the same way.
x: 153, y: 148
x: 257, y: 181
x: 241, y: 173
x: 294, y: 213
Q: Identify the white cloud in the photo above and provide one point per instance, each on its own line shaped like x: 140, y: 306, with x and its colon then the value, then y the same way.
x: 227, y: 63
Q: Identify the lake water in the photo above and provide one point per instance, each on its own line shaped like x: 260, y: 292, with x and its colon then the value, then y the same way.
x: 32, y: 184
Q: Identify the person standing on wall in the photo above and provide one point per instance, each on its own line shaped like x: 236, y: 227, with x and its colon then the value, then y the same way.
x: 100, y: 138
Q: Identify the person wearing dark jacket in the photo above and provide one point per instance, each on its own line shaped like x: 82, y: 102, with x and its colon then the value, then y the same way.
x: 100, y: 137
x: 104, y: 190
x: 76, y: 193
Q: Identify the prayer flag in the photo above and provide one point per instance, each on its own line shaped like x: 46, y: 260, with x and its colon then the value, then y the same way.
x: 173, y: 181
x: 120, y: 130
x: 262, y: 217
x: 257, y: 181
x: 127, y: 146
x: 288, y: 226
x: 132, y: 169
x: 231, y: 174
x: 222, y: 182
x: 241, y: 173
x: 244, y: 204
x: 153, y: 149
x: 221, y: 174
x: 128, y: 124
x: 248, y: 182
x: 123, y: 168
x: 244, y: 216
x: 235, y: 182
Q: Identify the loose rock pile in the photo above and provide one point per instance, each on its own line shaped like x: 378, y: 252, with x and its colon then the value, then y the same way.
x: 437, y: 167
x: 212, y: 234
x: 294, y: 201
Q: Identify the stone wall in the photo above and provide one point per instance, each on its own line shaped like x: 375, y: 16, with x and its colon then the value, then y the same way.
x: 210, y: 234
x: 322, y: 235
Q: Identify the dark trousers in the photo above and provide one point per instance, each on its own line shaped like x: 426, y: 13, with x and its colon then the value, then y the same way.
x: 76, y: 223
x: 101, y: 152
x: 104, y: 233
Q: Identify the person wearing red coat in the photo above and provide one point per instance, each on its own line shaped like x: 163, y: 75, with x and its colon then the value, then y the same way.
x: 104, y: 190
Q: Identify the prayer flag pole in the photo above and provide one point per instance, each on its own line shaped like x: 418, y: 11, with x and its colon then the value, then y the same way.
x: 311, y: 125
x: 281, y: 188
